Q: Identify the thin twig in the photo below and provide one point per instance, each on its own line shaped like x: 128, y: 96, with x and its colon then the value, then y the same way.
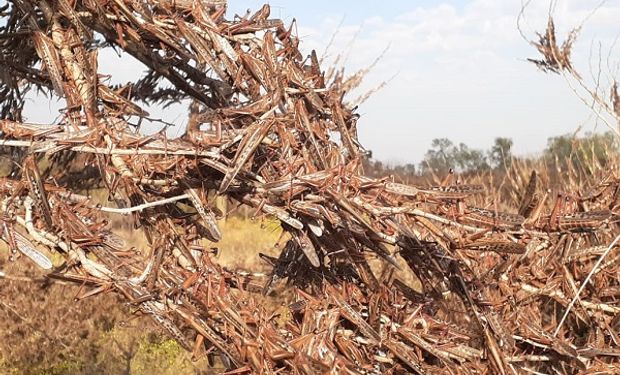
x: 583, y: 285
x: 41, y: 147
x: 128, y: 210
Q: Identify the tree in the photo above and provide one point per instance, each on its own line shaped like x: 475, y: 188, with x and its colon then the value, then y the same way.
x: 470, y: 160
x: 586, y: 150
x: 500, y: 154
x: 410, y: 169
x: 440, y: 158
x: 444, y: 155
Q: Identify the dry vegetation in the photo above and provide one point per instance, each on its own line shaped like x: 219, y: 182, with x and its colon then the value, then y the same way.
x: 45, y: 330
x: 488, y: 272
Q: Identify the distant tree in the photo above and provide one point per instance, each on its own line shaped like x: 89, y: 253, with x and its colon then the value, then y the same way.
x: 444, y: 155
x: 500, y: 154
x: 378, y: 166
x: 410, y: 169
x: 470, y: 160
x: 440, y: 157
x: 580, y: 151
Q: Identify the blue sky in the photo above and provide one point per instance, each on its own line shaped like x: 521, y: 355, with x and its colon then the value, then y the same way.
x: 455, y: 69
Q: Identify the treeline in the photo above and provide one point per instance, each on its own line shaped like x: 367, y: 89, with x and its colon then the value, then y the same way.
x: 444, y: 155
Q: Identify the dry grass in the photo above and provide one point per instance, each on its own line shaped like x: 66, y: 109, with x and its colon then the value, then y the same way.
x: 243, y: 239
x: 241, y: 242
x: 45, y: 331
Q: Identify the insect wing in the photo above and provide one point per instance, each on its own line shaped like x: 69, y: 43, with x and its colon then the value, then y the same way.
x: 27, y: 248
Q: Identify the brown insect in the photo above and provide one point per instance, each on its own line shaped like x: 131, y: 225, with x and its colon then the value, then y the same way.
x: 35, y: 182
x: 530, y: 198
x: 498, y: 246
x: 17, y: 242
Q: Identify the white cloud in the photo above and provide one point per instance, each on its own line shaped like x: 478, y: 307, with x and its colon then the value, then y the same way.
x: 462, y: 74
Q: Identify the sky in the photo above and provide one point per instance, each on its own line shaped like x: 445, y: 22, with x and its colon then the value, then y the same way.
x: 454, y: 68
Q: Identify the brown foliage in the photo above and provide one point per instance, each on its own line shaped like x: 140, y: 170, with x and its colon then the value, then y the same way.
x: 495, y: 291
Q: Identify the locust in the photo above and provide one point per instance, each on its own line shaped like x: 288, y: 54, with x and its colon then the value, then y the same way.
x: 17, y: 242
x: 366, y: 273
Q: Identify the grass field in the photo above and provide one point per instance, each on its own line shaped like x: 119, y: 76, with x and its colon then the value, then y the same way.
x: 45, y: 331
